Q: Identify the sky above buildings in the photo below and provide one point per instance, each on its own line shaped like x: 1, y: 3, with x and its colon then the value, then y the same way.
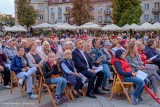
x: 7, y: 7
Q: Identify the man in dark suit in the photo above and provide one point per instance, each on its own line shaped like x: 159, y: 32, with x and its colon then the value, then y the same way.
x: 83, y: 66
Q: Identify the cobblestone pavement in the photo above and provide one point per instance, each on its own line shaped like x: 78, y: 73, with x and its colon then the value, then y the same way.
x: 16, y: 100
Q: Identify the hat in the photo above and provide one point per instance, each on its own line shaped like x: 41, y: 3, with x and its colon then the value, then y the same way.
x: 10, y: 40
x: 107, y: 43
x: 119, y: 53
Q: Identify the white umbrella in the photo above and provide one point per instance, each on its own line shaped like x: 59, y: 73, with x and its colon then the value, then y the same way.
x: 111, y: 27
x: 90, y: 25
x: 156, y: 26
x: 16, y: 28
x: 57, y: 24
x: 132, y: 26
x: 43, y: 25
x: 145, y: 26
x: 125, y: 26
x: 65, y: 26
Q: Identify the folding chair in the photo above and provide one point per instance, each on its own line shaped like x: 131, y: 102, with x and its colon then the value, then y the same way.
x: 68, y: 91
x: 1, y: 78
x: 50, y: 88
x: 13, y: 76
x: 118, y: 81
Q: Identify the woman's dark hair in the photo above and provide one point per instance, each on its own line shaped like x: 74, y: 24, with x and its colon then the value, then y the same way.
x: 94, y: 41
x: 150, y: 42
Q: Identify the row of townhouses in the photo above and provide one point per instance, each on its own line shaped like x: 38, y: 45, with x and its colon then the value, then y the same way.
x: 54, y: 11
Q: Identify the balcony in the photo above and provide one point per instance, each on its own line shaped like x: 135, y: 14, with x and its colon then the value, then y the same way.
x: 156, y: 10
x: 107, y: 12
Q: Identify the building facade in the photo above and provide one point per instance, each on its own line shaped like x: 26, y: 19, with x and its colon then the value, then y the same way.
x: 151, y: 11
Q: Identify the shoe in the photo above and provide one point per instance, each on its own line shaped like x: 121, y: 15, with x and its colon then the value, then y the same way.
x: 33, y: 96
x: 56, y: 99
x: 134, y: 101
x: 98, y: 92
x: 105, y: 89
x: 7, y: 86
x: 90, y: 95
x: 63, y: 97
x: 140, y: 98
x: 75, y: 95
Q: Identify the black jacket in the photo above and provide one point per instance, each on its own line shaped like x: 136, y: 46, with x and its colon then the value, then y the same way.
x: 48, y: 70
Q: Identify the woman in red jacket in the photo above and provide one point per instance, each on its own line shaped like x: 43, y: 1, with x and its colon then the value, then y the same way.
x: 125, y: 71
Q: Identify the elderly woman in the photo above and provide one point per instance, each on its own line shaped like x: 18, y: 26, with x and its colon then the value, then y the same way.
x: 34, y: 57
x: 65, y: 46
x: 70, y: 73
x: 46, y: 49
x: 151, y: 52
x: 24, y: 43
x: 134, y: 59
x: 38, y: 42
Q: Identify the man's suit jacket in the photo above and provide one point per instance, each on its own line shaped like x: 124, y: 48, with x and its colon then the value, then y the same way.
x: 80, y: 63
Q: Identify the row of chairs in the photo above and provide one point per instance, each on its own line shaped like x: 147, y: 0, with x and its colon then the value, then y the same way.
x: 117, y: 83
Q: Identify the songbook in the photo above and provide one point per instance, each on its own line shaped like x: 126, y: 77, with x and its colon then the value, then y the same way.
x: 97, y: 69
x: 142, y: 75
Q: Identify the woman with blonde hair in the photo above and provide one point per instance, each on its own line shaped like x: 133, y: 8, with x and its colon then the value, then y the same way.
x: 46, y: 49
x: 71, y: 74
x: 134, y: 60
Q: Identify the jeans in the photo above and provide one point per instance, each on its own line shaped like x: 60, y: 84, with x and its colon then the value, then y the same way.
x: 107, y: 74
x: 29, y: 77
x: 61, y: 84
x: 139, y: 84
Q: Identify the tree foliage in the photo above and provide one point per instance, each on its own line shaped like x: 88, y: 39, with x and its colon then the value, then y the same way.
x: 80, y: 13
x: 25, y: 13
x: 126, y: 11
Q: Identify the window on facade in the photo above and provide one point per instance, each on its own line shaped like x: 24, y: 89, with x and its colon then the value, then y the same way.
x: 52, y: 19
x: 108, y: 8
x: 156, y: 18
x: 52, y: 11
x: 59, y: 19
x: 41, y: 16
x: 146, y: 17
x: 59, y: 11
x: 99, y: 9
x: 60, y: 1
x: 107, y: 19
x: 146, y: 6
x: 41, y: 8
x: 99, y: 18
x: 157, y: 5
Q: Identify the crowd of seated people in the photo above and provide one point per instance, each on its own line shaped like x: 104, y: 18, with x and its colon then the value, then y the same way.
x: 65, y: 61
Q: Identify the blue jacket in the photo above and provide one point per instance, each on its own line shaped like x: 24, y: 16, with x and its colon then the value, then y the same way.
x: 98, y: 53
x: 150, y: 52
x: 16, y: 64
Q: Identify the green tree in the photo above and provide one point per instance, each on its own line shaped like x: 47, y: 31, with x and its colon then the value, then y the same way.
x: 80, y: 13
x: 25, y: 13
x: 126, y: 11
